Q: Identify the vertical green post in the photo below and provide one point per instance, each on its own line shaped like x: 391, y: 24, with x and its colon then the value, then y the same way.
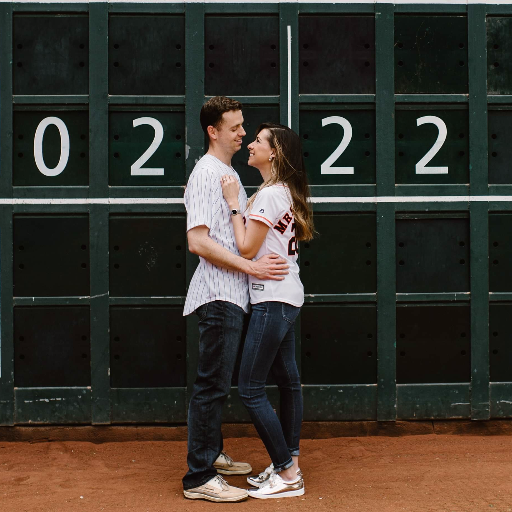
x: 289, y: 94
x: 6, y: 128
x: 194, y: 99
x: 288, y: 65
x: 479, y: 224
x: 386, y: 271
x: 99, y: 213
x: 6, y: 235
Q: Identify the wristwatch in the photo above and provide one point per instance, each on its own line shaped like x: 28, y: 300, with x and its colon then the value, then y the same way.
x: 235, y: 212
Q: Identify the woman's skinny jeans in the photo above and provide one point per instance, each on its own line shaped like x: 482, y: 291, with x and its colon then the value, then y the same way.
x: 270, y: 347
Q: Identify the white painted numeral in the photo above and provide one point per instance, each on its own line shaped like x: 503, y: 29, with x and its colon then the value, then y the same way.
x: 421, y: 166
x: 326, y: 167
x: 137, y: 169
x: 64, y: 146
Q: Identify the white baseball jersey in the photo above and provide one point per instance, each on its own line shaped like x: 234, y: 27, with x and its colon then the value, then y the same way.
x: 206, y: 206
x: 272, y: 206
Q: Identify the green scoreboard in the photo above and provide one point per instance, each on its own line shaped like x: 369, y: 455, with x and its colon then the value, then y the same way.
x: 405, y: 114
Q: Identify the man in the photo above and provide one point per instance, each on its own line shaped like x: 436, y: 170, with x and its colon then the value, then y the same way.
x: 219, y: 295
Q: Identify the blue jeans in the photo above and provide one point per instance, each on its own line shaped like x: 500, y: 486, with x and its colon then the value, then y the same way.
x: 220, y: 331
x: 270, y: 347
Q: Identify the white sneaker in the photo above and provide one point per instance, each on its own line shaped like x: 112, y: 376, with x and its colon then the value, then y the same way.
x: 259, y: 480
x: 276, y: 487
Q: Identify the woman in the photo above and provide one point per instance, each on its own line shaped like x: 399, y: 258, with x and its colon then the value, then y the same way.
x: 277, y: 217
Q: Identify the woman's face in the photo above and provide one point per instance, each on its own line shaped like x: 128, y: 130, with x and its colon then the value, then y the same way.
x: 260, y: 151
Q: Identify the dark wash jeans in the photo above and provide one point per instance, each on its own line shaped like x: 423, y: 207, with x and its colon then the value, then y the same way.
x: 220, y: 331
x: 270, y: 347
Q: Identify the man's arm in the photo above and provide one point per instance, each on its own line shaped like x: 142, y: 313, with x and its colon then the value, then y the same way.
x: 270, y: 266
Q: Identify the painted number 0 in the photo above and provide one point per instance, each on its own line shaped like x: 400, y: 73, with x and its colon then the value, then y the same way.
x: 421, y: 166
x: 64, y: 146
x: 137, y: 169
x: 326, y: 167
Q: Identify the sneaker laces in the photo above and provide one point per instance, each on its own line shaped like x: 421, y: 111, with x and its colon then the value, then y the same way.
x: 221, y: 482
x: 267, y: 471
x: 229, y: 460
x: 274, y: 479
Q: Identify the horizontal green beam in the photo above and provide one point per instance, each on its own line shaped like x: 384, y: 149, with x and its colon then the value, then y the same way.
x: 66, y: 99
x: 323, y: 298
x: 146, y: 100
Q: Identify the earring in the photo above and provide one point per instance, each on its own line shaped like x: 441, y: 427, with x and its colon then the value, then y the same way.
x: 270, y: 159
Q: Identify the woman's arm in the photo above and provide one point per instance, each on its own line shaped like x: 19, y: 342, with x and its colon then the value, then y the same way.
x: 250, y: 239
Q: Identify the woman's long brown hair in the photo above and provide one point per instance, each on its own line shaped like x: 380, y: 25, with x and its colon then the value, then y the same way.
x: 288, y: 167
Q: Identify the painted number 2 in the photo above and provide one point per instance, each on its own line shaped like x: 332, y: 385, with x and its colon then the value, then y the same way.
x: 137, y: 169
x: 421, y: 166
x: 326, y: 167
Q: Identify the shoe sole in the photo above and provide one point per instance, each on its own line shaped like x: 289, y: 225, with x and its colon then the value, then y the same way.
x: 287, y: 494
x: 236, y: 472
x: 200, y: 496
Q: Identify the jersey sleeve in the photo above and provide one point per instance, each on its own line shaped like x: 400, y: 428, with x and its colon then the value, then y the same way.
x: 200, y: 197
x: 265, y: 208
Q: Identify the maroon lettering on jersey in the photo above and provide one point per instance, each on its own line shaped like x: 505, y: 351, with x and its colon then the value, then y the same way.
x: 280, y: 227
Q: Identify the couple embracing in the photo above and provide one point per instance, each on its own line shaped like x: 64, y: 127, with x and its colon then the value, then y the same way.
x: 248, y: 251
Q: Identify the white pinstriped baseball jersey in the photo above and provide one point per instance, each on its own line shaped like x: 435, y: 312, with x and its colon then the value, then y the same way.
x: 206, y: 206
x: 272, y: 206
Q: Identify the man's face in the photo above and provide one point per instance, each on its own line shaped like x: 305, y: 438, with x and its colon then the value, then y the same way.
x: 231, y: 131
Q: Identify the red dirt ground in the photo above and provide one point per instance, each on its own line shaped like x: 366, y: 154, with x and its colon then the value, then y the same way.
x: 421, y: 473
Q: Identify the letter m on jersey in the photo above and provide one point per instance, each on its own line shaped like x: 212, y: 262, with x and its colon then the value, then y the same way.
x: 281, y: 227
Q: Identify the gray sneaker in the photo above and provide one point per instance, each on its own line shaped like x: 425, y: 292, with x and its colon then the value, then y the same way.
x: 259, y: 480
x: 227, y: 466
x: 216, y: 489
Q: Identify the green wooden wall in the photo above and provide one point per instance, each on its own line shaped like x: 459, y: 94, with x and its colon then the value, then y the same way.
x: 405, y: 113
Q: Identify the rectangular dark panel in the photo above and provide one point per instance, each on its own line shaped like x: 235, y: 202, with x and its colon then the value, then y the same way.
x: 499, y: 55
x: 149, y: 405
x: 55, y: 406
x: 241, y: 55
x: 500, y: 252
x: 58, y: 155
x: 146, y: 55
x: 342, y: 256
x: 51, y: 255
x: 500, y: 148
x: 51, y: 54
x: 134, y: 161
x: 51, y: 346
x: 147, y: 347
x: 147, y: 256
x: 340, y: 403
x: 337, y: 54
x: 431, y: 54
x: 414, y: 141
x: 432, y: 254
x: 433, y: 343
x: 339, y: 344
x: 253, y: 117
x: 433, y: 401
x: 326, y: 131
x: 500, y: 342
x: 501, y: 405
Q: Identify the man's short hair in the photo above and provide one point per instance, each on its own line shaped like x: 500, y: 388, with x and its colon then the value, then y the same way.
x: 212, y: 110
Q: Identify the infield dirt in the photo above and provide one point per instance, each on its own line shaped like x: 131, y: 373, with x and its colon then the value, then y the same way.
x: 420, y: 473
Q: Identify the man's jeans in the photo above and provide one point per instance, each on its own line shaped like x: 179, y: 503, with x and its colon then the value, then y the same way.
x: 270, y: 347
x: 220, y: 331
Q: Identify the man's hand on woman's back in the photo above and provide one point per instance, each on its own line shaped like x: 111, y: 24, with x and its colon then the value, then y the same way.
x: 270, y: 266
